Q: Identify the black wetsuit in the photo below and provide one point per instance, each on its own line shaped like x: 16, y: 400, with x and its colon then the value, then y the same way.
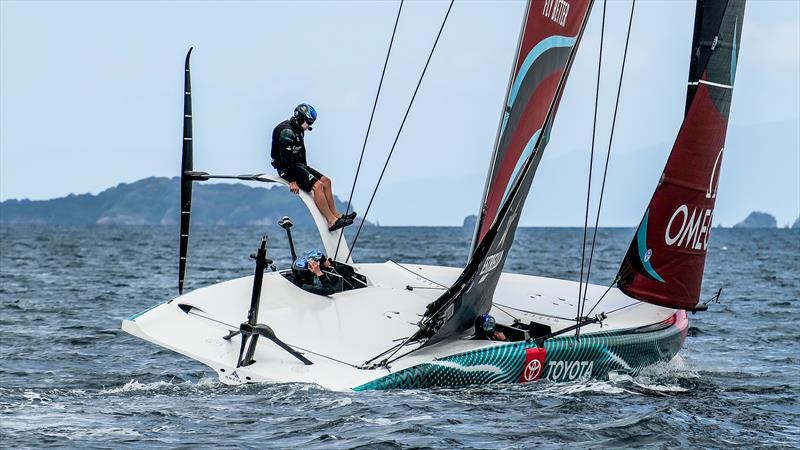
x: 289, y: 155
x: 320, y: 285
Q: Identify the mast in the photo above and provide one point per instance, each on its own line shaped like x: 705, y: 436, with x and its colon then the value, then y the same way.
x: 665, y: 260
x: 503, y: 118
x: 553, y: 29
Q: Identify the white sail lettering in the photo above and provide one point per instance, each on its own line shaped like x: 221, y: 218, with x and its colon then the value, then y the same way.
x: 698, y: 241
x: 492, y: 262
x: 712, y: 190
x: 693, y: 230
x: 689, y: 230
x: 556, y: 10
x: 710, y: 220
x: 670, y: 239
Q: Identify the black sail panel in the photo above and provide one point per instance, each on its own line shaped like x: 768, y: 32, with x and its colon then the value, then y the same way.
x: 705, y: 41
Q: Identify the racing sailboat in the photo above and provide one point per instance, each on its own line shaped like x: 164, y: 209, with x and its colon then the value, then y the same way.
x: 395, y: 325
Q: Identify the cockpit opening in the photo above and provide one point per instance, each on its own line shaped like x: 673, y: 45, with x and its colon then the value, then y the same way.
x: 339, y: 277
x: 314, y: 272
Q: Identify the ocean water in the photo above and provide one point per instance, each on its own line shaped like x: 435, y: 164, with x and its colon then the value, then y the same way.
x: 69, y: 377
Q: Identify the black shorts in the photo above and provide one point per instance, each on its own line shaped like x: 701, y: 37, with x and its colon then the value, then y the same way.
x: 304, y: 176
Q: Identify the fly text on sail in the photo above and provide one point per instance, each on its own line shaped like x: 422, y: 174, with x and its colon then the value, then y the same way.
x: 556, y: 10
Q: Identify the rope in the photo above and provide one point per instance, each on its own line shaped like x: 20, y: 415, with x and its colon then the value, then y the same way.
x: 326, y: 357
x: 290, y: 345
x: 423, y: 276
x: 516, y: 319
x: 608, y: 153
x: 591, y: 165
x: 602, y: 296
x: 389, y: 157
x: 622, y: 307
x: 369, y: 126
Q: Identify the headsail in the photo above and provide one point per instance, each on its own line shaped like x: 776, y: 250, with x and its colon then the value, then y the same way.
x: 665, y: 260
x: 552, y: 30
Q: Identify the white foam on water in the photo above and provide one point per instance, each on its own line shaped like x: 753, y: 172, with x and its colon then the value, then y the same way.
x: 137, y: 386
x: 385, y: 421
x: 335, y: 402
x: 601, y: 387
x: 95, y: 432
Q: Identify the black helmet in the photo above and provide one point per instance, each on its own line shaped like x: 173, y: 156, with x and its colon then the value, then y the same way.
x: 305, y: 113
x: 300, y: 271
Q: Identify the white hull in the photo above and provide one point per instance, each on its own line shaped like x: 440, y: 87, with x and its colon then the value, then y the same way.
x: 349, y: 328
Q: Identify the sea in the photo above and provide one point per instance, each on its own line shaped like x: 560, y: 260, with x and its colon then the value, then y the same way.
x: 70, y: 378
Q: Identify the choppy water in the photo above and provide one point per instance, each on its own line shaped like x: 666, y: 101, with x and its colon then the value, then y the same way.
x: 69, y: 377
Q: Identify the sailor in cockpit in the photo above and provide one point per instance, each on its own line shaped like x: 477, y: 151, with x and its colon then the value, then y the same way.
x: 484, y: 329
x: 313, y: 273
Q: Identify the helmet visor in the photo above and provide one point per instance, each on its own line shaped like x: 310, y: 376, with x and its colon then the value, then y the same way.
x: 488, y: 325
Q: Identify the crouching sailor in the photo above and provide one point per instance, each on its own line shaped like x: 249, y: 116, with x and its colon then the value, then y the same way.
x: 484, y: 329
x: 288, y: 155
x: 312, y: 273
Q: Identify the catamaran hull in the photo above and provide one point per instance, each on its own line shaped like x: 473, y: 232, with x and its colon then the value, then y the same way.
x: 561, y: 359
x: 339, y: 334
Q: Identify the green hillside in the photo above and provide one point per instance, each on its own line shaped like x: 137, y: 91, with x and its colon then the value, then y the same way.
x: 154, y: 200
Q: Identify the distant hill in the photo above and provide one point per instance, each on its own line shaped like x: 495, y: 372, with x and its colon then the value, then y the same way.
x: 758, y: 219
x: 469, y: 222
x: 155, y: 200
x: 796, y: 225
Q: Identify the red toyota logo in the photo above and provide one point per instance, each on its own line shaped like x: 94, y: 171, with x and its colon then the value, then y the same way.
x: 532, y: 370
x: 533, y: 365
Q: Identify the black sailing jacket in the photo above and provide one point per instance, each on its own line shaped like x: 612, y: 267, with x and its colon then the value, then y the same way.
x: 288, y: 147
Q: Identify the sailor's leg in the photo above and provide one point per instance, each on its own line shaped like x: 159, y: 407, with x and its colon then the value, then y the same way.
x: 321, y: 200
x: 329, y: 195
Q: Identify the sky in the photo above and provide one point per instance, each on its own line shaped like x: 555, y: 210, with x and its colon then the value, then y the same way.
x: 91, y: 96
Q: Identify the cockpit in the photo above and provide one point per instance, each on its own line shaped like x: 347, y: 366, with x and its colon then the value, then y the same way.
x: 314, y: 272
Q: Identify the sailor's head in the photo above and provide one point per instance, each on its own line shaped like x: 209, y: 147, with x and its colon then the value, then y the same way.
x: 300, y: 270
x: 318, y: 256
x: 484, y: 324
x: 305, y: 115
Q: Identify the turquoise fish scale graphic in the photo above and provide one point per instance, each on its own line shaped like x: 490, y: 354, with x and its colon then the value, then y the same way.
x: 567, y: 358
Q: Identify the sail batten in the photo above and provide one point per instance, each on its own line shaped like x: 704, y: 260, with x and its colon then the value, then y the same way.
x: 665, y: 260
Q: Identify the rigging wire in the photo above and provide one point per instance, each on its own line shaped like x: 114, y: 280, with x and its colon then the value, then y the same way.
x: 608, y: 156
x: 369, y: 126
x: 604, y: 295
x: 290, y: 345
x: 394, y: 144
x: 581, y: 294
x: 423, y: 276
x: 514, y: 318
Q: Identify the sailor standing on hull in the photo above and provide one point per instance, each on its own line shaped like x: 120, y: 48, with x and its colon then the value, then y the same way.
x: 289, y: 159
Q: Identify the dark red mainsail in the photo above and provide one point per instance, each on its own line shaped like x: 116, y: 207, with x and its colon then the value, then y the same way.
x: 664, y: 263
x: 552, y: 30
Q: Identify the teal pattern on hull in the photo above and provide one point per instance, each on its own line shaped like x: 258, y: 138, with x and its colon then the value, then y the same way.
x: 594, y: 355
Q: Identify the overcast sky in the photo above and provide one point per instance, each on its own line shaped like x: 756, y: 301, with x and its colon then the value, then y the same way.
x: 91, y: 92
